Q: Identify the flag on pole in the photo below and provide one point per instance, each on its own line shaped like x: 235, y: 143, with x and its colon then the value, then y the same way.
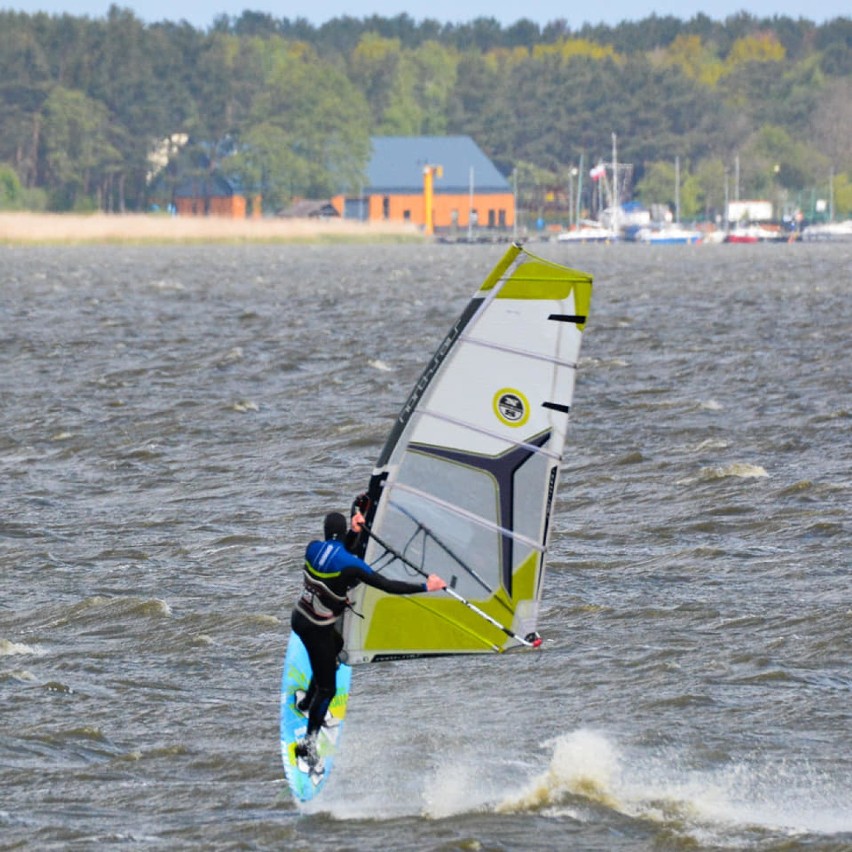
x: 598, y: 172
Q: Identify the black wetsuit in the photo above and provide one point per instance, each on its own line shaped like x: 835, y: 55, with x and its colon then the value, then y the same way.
x: 330, y: 572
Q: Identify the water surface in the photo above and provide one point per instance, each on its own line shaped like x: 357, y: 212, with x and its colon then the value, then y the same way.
x: 177, y: 420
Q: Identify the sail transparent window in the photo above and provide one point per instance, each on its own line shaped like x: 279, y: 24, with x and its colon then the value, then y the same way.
x: 437, y: 500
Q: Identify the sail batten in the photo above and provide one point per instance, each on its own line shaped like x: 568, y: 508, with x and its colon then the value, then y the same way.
x: 465, y: 485
x: 514, y: 350
x: 491, y: 433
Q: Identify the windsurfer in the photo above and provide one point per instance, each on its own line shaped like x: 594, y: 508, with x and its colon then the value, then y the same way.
x: 330, y: 571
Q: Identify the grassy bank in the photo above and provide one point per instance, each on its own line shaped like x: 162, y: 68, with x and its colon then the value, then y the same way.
x: 69, y: 229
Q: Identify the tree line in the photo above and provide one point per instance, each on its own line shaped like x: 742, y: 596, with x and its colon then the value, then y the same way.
x: 106, y: 113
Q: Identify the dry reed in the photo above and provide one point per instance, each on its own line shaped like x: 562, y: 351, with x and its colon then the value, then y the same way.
x: 47, y: 229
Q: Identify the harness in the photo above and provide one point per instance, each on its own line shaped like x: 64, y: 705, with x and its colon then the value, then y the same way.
x: 317, y: 602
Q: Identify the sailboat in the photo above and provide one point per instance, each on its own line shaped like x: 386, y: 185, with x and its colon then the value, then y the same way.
x: 669, y: 233
x: 466, y: 482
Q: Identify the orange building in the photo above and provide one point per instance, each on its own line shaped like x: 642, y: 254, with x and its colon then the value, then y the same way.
x: 462, y: 187
x: 214, y: 195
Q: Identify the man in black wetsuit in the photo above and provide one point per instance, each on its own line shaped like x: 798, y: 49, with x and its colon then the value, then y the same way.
x: 330, y: 571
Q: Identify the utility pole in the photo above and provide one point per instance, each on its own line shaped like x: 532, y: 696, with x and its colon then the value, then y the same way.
x: 470, y: 205
x: 514, y: 203
x: 677, y: 190
x: 737, y: 178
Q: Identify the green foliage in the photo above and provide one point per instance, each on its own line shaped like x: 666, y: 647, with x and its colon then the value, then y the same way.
x: 842, y: 185
x: 710, y: 177
x: 78, y: 153
x: 696, y: 60
x: 774, y: 161
x: 660, y: 186
x: 407, y: 90
x: 11, y: 192
x: 84, y: 102
x: 315, y: 113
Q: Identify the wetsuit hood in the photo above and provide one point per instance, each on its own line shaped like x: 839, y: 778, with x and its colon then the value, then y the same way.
x: 335, y: 526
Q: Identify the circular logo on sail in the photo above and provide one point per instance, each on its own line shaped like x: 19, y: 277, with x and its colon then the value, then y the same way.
x: 511, y: 407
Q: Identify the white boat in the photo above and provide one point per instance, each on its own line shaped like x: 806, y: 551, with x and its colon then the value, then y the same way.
x: 759, y: 234
x: 609, y: 227
x: 830, y: 231
x: 668, y: 232
x: 668, y: 235
x: 588, y: 232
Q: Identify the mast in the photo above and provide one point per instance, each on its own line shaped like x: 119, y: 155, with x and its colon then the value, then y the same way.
x: 579, y: 190
x: 831, y: 195
x: 615, y: 204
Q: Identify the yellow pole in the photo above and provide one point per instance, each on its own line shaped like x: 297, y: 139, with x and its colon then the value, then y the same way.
x: 429, y: 175
x: 428, y: 179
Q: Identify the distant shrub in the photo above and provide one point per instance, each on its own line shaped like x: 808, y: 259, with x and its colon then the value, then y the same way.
x: 11, y: 192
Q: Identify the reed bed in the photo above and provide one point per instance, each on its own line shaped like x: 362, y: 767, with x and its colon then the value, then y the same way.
x: 47, y: 229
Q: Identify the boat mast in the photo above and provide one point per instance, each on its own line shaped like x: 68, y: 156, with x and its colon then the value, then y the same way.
x: 831, y: 195
x: 615, y: 216
x: 579, y: 190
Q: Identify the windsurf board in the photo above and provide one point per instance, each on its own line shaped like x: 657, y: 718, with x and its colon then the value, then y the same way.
x: 306, y: 780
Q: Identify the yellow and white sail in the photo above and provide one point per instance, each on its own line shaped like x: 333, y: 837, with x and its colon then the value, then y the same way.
x: 465, y: 485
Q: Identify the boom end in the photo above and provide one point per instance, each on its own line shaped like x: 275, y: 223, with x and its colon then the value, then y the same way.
x: 534, y: 640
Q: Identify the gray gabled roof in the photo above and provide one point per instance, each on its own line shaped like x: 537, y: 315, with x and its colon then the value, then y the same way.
x: 207, y: 186
x: 397, y: 165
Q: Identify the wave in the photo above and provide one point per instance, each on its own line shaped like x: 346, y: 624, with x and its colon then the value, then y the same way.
x: 9, y: 649
x: 101, y: 608
x: 584, y: 764
x: 730, y: 805
x: 739, y: 470
x: 710, y: 444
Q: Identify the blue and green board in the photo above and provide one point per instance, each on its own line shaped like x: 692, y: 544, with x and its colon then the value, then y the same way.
x: 306, y: 782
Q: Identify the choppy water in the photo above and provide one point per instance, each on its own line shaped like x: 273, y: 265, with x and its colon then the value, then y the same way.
x: 176, y: 421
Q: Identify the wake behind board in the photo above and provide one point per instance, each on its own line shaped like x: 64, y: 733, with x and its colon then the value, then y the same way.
x: 306, y: 781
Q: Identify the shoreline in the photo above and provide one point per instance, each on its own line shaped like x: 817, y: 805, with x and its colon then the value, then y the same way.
x: 18, y: 228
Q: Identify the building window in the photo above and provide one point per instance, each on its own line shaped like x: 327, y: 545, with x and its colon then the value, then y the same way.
x: 492, y: 219
x: 386, y: 207
x: 501, y: 218
x: 406, y: 215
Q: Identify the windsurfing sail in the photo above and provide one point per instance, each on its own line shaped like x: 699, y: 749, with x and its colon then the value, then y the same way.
x: 466, y: 482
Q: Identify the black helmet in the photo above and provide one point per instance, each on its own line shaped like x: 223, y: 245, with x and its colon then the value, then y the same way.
x: 335, y: 526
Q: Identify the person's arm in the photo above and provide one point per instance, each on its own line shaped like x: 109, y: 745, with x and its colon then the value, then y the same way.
x: 356, y: 536
x: 393, y: 587
x: 355, y: 541
x: 359, y: 571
